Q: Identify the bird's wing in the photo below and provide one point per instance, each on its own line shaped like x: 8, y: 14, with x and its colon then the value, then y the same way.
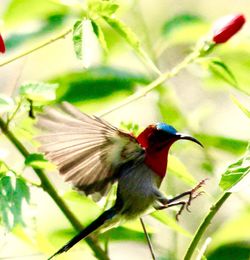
x: 87, y: 150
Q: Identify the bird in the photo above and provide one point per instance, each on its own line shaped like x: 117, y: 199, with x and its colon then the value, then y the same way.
x: 93, y: 155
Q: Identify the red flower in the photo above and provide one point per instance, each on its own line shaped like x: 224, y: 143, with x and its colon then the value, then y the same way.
x: 2, y: 45
x: 227, y: 26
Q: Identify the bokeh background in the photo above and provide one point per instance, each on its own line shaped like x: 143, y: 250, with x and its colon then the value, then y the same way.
x: 198, y: 101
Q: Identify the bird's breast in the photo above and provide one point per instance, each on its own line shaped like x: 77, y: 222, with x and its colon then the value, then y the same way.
x: 136, y: 189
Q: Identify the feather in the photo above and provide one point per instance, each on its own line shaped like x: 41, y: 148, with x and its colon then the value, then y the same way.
x: 87, y: 150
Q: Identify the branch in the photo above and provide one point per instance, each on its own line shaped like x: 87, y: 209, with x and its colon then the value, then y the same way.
x: 49, y: 188
x: 160, y: 80
x: 205, y: 223
x: 41, y: 45
x: 148, y: 239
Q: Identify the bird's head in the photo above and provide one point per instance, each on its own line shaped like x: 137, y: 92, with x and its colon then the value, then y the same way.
x: 156, y: 140
x: 161, y: 135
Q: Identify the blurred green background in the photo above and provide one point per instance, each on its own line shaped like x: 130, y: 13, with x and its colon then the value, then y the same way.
x: 198, y: 101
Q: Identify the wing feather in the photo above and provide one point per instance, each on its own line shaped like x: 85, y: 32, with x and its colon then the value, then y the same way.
x: 87, y: 150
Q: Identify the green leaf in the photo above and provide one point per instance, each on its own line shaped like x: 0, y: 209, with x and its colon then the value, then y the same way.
x: 232, y: 145
x: 178, y: 169
x: 3, y: 168
x: 222, y: 71
x: 38, y: 91
x: 236, y: 172
x: 13, y: 191
x: 165, y: 219
x: 6, y: 104
x: 22, y: 11
x: 124, y: 31
x: 102, y: 81
x: 84, y: 39
x: 241, y: 107
x: 99, y: 34
x: 37, y: 161
x: 77, y: 38
x: 131, y: 39
x: 102, y: 7
x: 179, y: 21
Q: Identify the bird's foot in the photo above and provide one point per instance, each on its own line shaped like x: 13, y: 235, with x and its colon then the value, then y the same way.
x: 192, y: 194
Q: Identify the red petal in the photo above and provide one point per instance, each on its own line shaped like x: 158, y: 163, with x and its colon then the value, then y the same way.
x: 227, y: 27
x: 2, y: 45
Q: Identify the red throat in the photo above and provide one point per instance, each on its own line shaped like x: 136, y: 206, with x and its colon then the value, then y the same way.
x: 155, y: 159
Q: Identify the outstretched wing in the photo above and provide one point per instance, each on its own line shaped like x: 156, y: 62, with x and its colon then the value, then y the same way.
x: 87, y: 150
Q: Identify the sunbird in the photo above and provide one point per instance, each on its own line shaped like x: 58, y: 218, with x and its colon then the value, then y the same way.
x: 93, y: 155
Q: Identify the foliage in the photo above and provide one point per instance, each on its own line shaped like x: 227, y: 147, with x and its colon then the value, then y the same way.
x: 194, y: 102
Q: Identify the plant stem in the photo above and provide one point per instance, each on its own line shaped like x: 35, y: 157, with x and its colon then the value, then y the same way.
x: 49, y: 188
x: 41, y: 45
x: 205, y: 223
x: 160, y: 80
x: 148, y: 239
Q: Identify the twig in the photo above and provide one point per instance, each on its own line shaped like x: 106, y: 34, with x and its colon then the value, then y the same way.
x: 148, y: 239
x: 160, y: 80
x: 41, y: 45
x: 205, y: 223
x: 49, y: 188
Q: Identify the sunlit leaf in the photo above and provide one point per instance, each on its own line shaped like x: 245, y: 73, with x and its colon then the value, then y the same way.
x: 179, y: 21
x: 19, y: 12
x: 222, y: 71
x: 102, y: 7
x: 238, y: 225
x: 84, y: 40
x: 38, y: 91
x: 178, y: 169
x: 6, y: 104
x: 99, y: 34
x: 241, y: 107
x: 121, y: 28
x: 37, y: 161
x: 77, y: 38
x: 102, y: 81
x: 13, y: 191
x: 170, y: 222
x: 236, y: 171
x: 232, y: 145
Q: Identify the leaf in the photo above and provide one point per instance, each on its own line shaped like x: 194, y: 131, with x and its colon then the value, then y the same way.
x: 37, y: 161
x: 77, y: 38
x: 99, y: 34
x: 6, y: 104
x: 236, y: 172
x: 165, y: 219
x: 13, y: 191
x: 179, y: 21
x: 102, y: 7
x: 221, y: 70
x: 238, y: 225
x: 102, y: 81
x: 124, y: 31
x: 178, y: 169
x: 38, y: 91
x: 232, y: 145
x: 19, y: 12
x: 241, y: 107
x: 84, y: 40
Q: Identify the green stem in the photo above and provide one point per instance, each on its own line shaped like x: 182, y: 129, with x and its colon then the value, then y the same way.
x: 49, y: 188
x: 41, y: 45
x: 160, y: 80
x: 205, y: 223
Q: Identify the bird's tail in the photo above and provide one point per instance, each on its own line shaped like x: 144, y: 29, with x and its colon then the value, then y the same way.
x: 106, y: 215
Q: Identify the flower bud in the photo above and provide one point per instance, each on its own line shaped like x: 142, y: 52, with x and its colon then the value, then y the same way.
x: 2, y: 45
x: 226, y: 27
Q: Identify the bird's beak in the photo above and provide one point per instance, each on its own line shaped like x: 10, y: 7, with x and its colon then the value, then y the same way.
x: 188, y: 137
